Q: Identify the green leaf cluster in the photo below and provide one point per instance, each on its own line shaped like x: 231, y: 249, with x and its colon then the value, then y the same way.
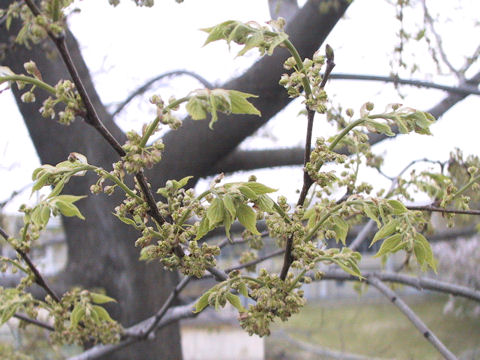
x: 251, y: 35
x: 232, y: 204
x: 205, y: 101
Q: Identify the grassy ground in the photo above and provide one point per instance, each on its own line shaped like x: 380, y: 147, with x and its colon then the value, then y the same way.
x: 376, y: 328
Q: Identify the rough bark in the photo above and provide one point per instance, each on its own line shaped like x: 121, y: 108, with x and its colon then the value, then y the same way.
x: 101, y: 251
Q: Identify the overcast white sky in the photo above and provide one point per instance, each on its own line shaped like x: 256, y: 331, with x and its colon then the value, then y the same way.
x: 125, y: 46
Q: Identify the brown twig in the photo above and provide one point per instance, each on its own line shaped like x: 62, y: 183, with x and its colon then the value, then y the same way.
x: 442, y: 210
x: 39, y: 280
x: 34, y: 322
x: 307, y: 180
x: 91, y: 117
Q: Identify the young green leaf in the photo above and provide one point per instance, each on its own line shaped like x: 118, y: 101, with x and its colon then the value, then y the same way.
x: 235, y: 301
x: 196, y: 108
x: 101, y: 298
x: 379, y: 127
x: 57, y: 189
x: 77, y: 315
x: 229, y: 205
x: 202, y: 303
x: 390, y: 244
x: 181, y: 183
x: 249, y: 193
x: 101, y: 313
x: 242, y: 289
x: 227, y: 223
x: 340, y: 228
x: 247, y: 218
x: 203, y: 229
x: 265, y: 203
x: 220, y: 31
x: 240, y: 104
x: 428, y: 253
x: 216, y: 212
x: 68, y: 209
x: 387, y: 230
x: 70, y: 198
x: 398, y: 207
x: 372, y: 212
x: 258, y: 188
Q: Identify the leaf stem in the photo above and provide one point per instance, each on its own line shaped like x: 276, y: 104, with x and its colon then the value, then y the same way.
x: 29, y: 80
x: 151, y: 128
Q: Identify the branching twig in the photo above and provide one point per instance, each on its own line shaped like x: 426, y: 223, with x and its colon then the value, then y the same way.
x: 307, y: 180
x: 39, y: 280
x: 166, y: 305
x: 419, y: 324
x: 140, y: 90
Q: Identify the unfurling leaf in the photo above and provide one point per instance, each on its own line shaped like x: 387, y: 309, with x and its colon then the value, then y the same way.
x: 77, y: 315
x: 229, y: 205
x: 387, y: 230
x: 101, y: 313
x: 249, y: 193
x: 240, y: 104
x: 391, y: 244
x: 247, y: 218
x: 258, y: 188
x: 202, y: 303
x: 203, y: 229
x: 235, y: 301
x: 424, y: 250
x: 265, y: 203
x: 68, y: 209
x: 101, y: 298
x: 340, y: 228
x: 398, y: 207
x: 242, y: 289
x: 215, y: 212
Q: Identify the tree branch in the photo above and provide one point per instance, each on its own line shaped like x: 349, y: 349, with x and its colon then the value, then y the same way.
x: 307, y: 180
x: 419, y: 283
x: 442, y: 210
x: 34, y: 322
x: 321, y: 351
x: 257, y: 159
x: 408, y: 312
x: 461, y: 89
x: 39, y: 280
x: 143, y: 88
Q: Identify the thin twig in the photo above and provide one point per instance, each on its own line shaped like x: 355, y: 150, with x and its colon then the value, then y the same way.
x: 34, y: 322
x: 460, y: 89
x: 307, y: 180
x: 166, y: 305
x: 38, y: 276
x: 92, y: 118
x: 429, y: 20
x: 141, y: 89
x: 410, y: 314
x: 419, y: 283
x: 442, y: 210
